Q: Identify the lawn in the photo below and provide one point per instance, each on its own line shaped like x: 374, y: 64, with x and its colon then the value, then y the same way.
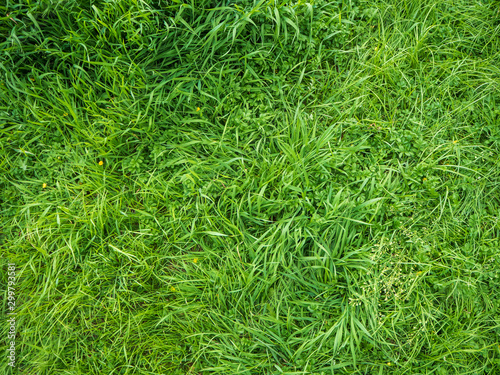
x: 250, y: 187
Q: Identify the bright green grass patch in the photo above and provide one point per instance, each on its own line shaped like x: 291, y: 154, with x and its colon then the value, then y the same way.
x: 251, y: 187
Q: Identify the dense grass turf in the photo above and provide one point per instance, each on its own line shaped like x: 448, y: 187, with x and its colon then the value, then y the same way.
x: 251, y: 187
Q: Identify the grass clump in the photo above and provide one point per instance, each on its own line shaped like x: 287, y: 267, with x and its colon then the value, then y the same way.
x: 252, y: 187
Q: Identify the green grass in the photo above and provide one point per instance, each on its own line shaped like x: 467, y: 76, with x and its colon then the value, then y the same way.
x: 285, y: 188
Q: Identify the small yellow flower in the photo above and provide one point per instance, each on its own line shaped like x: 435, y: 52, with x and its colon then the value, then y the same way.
x: 376, y: 48
x: 195, y: 260
x: 424, y: 179
x: 455, y: 142
x: 419, y: 272
x: 44, y: 185
x: 172, y: 289
x: 32, y: 79
x: 197, y: 109
x: 101, y: 162
x: 65, y: 114
x: 388, y: 363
